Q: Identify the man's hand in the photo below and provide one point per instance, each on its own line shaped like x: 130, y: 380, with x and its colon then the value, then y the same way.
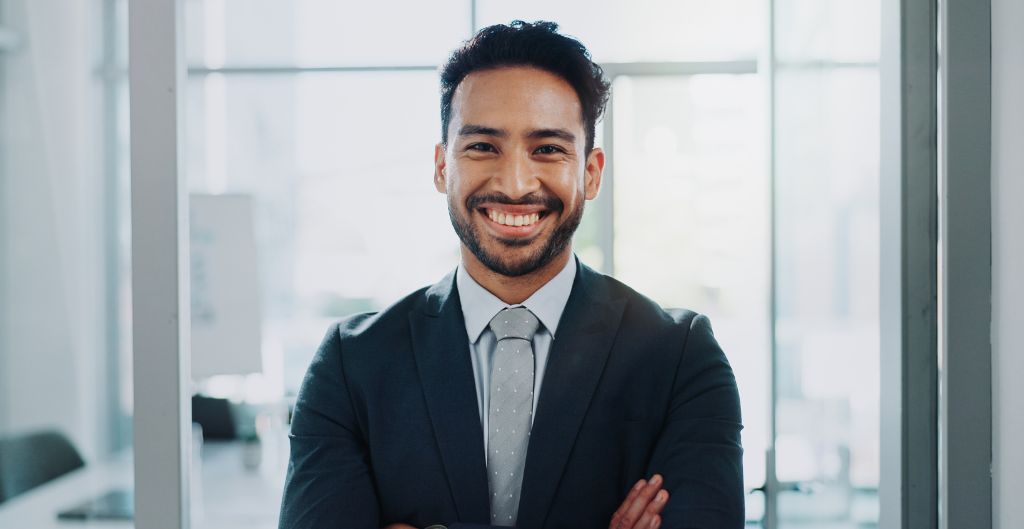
x: 642, y: 507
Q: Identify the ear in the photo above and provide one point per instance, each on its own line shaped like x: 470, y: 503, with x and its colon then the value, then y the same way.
x: 593, y: 171
x: 440, y: 164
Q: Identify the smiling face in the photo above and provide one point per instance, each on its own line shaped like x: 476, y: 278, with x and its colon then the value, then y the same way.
x: 515, y: 170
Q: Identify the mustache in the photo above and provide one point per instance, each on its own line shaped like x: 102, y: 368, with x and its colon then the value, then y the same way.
x: 532, y: 199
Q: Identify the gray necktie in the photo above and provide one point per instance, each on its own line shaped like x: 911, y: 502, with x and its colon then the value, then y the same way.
x: 511, y: 408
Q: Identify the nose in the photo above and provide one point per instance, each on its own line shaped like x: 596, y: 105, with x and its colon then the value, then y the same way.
x: 517, y: 177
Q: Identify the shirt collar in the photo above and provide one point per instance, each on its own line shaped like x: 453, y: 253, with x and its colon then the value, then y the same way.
x: 547, y: 303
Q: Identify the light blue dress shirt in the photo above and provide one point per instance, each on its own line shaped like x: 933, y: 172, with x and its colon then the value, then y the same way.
x: 479, y: 306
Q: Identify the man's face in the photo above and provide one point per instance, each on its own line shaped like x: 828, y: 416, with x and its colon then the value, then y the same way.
x: 514, y: 168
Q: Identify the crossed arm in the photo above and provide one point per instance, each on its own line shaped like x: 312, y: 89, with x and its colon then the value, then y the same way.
x: 640, y: 510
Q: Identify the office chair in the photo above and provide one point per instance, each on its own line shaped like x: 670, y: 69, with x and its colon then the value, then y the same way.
x: 30, y: 460
x: 215, y: 416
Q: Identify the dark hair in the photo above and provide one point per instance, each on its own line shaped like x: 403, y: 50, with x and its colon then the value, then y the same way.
x: 524, y: 44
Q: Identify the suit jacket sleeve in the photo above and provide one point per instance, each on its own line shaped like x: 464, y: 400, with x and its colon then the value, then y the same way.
x: 329, y: 482
x: 699, y: 451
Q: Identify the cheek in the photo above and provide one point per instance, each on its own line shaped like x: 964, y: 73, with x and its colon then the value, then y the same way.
x: 570, y: 189
x: 462, y: 182
x: 458, y: 190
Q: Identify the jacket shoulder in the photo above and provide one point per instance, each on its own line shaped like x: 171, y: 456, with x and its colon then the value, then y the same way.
x: 374, y: 326
x: 641, y: 308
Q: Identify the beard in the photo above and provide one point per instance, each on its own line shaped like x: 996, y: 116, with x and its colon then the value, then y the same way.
x: 501, y: 262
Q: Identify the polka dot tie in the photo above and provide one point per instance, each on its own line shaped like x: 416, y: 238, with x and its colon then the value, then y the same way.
x: 511, y: 410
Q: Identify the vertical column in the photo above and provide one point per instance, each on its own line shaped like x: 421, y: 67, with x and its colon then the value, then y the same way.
x: 909, y: 327
x: 1007, y: 262
x: 7, y: 41
x: 160, y: 316
x: 770, y: 519
x: 965, y: 132
x: 115, y: 435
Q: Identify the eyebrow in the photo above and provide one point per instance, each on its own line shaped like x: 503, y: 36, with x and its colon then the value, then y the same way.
x: 562, y: 134
x: 469, y: 130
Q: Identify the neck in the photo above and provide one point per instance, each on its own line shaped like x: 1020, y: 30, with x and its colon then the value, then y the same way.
x: 513, y: 290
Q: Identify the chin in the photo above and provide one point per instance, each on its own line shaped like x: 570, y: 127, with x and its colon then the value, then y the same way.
x: 514, y: 257
x: 513, y: 260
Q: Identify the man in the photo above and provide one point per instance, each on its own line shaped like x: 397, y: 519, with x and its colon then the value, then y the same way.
x: 524, y: 389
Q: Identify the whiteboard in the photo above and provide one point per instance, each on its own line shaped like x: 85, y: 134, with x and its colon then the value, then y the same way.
x: 225, y: 289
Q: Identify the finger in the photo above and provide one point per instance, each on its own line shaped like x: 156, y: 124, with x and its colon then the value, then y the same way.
x: 658, y: 503
x: 633, y: 492
x: 636, y: 508
x: 651, y: 512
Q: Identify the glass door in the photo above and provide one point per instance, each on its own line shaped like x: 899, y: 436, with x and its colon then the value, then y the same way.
x: 769, y: 223
x: 827, y: 298
x: 825, y: 129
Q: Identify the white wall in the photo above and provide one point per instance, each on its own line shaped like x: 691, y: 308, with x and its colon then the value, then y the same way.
x: 1008, y: 262
x: 52, y: 339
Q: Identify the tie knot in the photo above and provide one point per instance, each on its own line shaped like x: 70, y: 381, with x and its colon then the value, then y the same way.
x: 517, y: 322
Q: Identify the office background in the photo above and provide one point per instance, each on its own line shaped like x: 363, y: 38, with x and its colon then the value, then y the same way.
x: 331, y: 140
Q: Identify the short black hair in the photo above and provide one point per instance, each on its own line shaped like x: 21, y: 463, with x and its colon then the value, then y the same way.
x: 537, y: 45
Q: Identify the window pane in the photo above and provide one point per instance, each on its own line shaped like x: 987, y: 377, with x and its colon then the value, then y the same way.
x: 691, y: 219
x: 645, y: 30
x: 323, y: 32
x: 65, y: 357
x: 827, y: 30
x: 340, y: 170
x: 828, y: 271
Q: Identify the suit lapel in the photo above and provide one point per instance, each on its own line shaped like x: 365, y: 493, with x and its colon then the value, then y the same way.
x: 441, y: 350
x: 575, y: 363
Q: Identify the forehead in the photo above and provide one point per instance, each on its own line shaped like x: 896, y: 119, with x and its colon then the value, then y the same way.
x: 516, y: 98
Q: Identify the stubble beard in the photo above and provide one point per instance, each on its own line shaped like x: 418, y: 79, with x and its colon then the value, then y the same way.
x: 557, y: 242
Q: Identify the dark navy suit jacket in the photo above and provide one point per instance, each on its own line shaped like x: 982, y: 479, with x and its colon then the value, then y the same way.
x: 387, y: 428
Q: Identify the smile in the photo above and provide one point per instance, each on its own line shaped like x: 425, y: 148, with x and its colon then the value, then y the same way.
x: 511, y: 219
x: 514, y: 221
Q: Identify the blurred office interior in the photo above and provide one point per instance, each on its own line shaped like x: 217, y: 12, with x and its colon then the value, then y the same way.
x: 744, y: 182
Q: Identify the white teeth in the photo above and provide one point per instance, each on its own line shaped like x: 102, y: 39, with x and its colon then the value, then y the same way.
x: 513, y: 220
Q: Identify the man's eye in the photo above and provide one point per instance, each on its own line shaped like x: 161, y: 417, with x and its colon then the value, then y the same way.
x: 482, y: 147
x: 549, y: 149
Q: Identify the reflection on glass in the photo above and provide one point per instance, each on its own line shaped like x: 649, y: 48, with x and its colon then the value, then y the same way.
x: 691, y: 220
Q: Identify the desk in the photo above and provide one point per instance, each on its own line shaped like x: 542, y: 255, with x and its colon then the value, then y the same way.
x: 227, y: 497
